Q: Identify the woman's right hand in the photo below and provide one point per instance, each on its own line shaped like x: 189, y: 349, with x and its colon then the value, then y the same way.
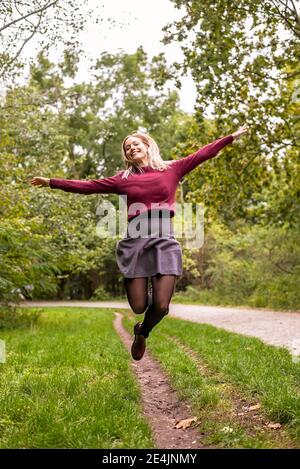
x: 44, y: 182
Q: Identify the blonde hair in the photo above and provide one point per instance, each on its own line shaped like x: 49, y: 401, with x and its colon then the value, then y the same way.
x: 155, y: 161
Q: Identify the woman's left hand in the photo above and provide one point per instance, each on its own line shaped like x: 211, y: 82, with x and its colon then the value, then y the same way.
x: 240, y: 132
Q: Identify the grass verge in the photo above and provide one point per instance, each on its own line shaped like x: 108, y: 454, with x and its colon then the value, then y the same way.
x: 196, y: 296
x: 220, y: 373
x: 67, y: 383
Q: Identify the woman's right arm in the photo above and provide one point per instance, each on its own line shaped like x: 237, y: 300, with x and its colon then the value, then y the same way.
x: 94, y: 186
x: 37, y: 181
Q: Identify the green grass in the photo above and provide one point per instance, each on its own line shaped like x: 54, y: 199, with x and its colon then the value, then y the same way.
x: 259, y: 372
x: 67, y: 383
x: 197, y: 296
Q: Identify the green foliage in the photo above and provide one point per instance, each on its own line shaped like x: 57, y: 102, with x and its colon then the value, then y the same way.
x: 255, y: 265
x: 48, y: 241
x: 101, y: 294
x: 247, y: 70
x: 49, y: 127
x: 26, y: 256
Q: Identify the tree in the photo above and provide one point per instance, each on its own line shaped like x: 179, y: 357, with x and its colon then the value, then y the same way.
x: 246, y: 70
x: 137, y: 95
x: 55, y: 129
x: 47, y: 23
x: 288, y: 10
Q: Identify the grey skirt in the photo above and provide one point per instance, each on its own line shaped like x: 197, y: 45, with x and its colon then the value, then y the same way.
x: 149, y: 247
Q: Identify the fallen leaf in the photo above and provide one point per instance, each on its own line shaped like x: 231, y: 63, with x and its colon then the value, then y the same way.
x: 255, y: 407
x: 274, y: 426
x: 251, y: 407
x: 186, y: 423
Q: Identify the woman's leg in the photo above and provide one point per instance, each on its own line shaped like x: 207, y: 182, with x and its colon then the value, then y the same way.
x: 137, y: 293
x: 163, y: 287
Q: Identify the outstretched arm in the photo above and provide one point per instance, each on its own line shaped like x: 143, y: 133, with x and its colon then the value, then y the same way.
x: 40, y: 182
x: 94, y: 186
x: 242, y: 130
x: 188, y: 163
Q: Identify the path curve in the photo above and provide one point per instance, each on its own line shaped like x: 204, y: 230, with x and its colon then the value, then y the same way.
x: 278, y: 328
x: 159, y: 401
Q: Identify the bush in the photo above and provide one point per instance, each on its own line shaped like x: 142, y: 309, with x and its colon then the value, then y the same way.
x: 101, y: 294
x: 256, y: 265
x: 259, y: 266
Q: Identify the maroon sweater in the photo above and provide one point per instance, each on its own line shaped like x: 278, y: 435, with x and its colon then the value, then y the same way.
x: 149, y: 190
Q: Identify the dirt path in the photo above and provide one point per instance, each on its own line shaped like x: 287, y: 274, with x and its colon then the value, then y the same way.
x: 160, y: 405
x: 273, y: 327
x: 162, y: 409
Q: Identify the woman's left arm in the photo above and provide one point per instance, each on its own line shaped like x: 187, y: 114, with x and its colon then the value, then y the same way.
x: 188, y: 163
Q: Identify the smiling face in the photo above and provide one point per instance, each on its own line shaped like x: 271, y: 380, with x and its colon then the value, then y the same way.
x: 136, y: 151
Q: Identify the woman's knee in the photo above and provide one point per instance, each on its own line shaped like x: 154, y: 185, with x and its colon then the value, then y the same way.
x: 139, y: 308
x: 161, y: 308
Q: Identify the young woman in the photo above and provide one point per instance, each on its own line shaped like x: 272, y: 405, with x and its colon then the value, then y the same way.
x: 149, y: 248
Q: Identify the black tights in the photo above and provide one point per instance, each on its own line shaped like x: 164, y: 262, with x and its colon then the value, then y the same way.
x: 137, y: 293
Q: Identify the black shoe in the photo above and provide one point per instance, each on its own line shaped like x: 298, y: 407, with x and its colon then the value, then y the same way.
x: 139, y: 344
